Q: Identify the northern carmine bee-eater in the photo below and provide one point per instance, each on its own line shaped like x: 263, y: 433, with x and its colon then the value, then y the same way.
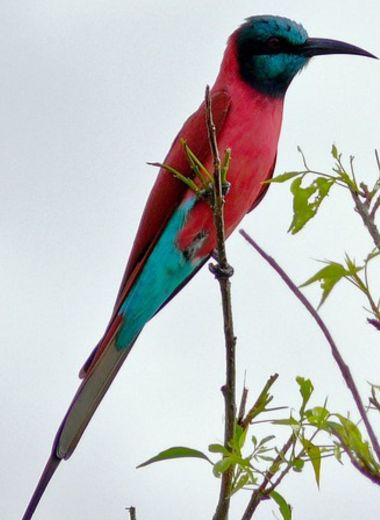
x: 176, y: 234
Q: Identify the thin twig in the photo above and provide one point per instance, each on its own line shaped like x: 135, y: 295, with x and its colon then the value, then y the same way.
x: 367, y: 218
x: 268, y: 485
x: 243, y: 404
x: 377, y: 159
x: 132, y: 512
x: 223, y: 271
x: 262, y: 492
x: 343, y: 367
x: 375, y: 207
x: 261, y: 402
x: 373, y: 400
x: 362, y: 469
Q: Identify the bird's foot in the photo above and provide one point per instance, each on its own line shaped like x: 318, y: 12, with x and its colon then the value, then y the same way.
x: 207, y: 193
x: 225, y: 188
x: 221, y: 272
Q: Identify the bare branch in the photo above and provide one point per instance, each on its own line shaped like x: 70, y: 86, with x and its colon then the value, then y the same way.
x: 223, y: 271
x: 132, y: 512
x: 262, y: 492
x: 343, y: 367
x: 375, y: 207
x: 373, y: 400
x: 367, y: 217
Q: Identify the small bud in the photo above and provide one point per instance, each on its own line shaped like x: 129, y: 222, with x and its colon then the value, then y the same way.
x: 375, y: 323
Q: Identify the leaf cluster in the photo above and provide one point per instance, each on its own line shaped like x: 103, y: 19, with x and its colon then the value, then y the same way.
x: 260, y: 464
x: 307, y: 200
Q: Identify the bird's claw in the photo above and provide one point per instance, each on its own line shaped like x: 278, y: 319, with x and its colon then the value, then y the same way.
x: 221, y: 272
x: 207, y: 193
x: 225, y: 188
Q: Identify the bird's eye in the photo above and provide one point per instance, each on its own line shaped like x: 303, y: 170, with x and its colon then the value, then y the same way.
x: 274, y: 43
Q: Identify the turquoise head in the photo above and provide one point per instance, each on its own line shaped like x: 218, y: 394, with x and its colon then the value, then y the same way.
x: 271, y: 50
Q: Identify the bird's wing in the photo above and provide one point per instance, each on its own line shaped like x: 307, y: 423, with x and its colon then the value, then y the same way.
x: 168, y: 191
x: 264, y: 187
x: 164, y: 198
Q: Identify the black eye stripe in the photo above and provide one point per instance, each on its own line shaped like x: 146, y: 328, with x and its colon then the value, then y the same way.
x: 274, y: 43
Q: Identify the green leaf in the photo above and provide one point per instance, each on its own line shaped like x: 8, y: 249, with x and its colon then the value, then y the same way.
x: 266, y: 439
x: 343, y: 176
x: 243, y: 480
x: 196, y: 165
x: 339, y: 169
x: 314, y: 454
x: 225, y: 165
x: 306, y: 201
x: 318, y: 416
x: 338, y: 453
x: 328, y: 277
x: 334, y: 152
x: 286, y: 422
x: 239, y: 437
x: 302, y: 209
x: 351, y: 436
x: 222, y: 465
x: 298, y: 465
x: 284, y: 507
x: 306, y: 389
x: 352, y: 268
x: 242, y: 462
x: 336, y: 429
x: 178, y: 175
x: 266, y: 458
x: 218, y: 448
x: 177, y: 452
x: 283, y: 177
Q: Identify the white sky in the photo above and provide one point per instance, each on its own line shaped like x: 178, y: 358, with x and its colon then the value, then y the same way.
x: 89, y: 92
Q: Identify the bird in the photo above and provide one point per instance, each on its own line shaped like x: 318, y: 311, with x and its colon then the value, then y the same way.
x: 176, y: 235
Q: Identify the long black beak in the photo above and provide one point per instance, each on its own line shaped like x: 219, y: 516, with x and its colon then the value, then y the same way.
x: 319, y: 46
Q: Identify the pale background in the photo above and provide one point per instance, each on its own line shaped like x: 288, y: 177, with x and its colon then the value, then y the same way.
x: 90, y: 91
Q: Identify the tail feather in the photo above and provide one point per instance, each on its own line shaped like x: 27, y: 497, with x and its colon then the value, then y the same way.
x: 88, y: 397
x: 49, y: 470
x: 99, y: 375
x: 111, y: 331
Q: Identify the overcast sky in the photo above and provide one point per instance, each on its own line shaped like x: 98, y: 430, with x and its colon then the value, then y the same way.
x: 90, y: 91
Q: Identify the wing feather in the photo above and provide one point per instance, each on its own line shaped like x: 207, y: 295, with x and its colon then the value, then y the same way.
x: 164, y: 198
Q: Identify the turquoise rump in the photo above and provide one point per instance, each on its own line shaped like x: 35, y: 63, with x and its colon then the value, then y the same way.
x: 166, y: 268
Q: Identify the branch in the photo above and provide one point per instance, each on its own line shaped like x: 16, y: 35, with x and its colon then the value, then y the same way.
x: 260, y: 403
x: 376, y: 206
x: 243, y: 403
x: 262, y: 492
x: 343, y: 367
x: 367, y: 217
x: 373, y: 400
x: 223, y: 271
x: 364, y: 470
x: 132, y: 512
